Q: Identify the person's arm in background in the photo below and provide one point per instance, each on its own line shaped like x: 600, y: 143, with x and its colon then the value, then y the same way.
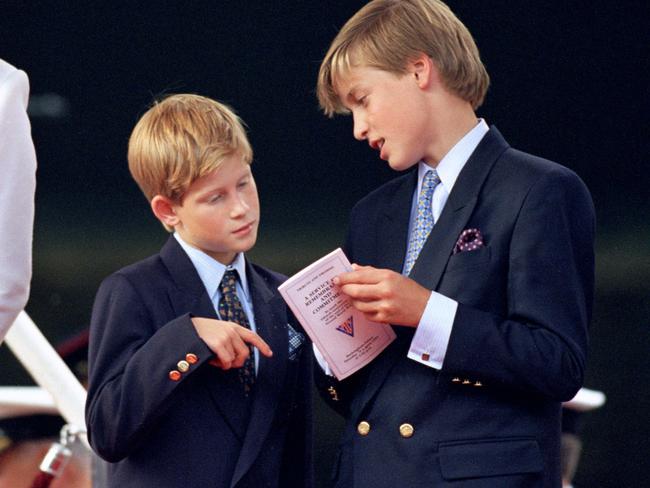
x: 17, y: 187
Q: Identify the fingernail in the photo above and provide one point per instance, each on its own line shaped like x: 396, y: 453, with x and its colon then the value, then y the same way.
x: 336, y: 280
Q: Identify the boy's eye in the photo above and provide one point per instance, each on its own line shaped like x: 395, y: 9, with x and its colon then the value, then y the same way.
x: 216, y: 197
x: 243, y: 183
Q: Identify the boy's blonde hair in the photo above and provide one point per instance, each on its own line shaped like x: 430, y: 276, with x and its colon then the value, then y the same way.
x: 181, y: 139
x: 387, y: 34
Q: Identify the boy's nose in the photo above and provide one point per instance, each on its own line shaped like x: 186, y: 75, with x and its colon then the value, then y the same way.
x: 239, y: 207
x: 360, y: 129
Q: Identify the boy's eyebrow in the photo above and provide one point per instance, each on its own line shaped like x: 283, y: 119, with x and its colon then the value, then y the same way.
x: 351, y: 96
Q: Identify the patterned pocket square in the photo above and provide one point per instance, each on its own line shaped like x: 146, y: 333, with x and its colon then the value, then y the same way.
x: 469, y: 240
x: 296, y: 340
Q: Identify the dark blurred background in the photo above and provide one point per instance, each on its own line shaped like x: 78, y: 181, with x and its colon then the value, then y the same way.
x: 569, y: 82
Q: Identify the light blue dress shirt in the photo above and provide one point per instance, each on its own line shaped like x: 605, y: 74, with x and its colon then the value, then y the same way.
x: 211, y: 272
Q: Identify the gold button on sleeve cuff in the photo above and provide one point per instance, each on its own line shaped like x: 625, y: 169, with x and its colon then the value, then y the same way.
x: 183, y: 366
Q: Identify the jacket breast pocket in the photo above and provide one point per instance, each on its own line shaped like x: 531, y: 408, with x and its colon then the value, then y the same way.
x: 469, y: 259
x: 477, y: 459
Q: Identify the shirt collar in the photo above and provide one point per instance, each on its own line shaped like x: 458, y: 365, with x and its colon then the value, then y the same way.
x: 451, y: 165
x: 211, y: 271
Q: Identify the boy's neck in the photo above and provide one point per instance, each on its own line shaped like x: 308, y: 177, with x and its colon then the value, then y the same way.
x: 453, y: 120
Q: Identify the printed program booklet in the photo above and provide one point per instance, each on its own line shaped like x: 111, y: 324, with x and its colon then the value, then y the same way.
x: 346, y: 339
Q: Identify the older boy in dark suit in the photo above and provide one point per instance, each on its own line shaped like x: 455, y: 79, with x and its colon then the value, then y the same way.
x: 481, y: 257
x: 196, y: 378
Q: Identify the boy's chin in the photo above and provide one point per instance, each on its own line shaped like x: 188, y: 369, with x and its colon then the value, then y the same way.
x: 400, y: 164
x: 248, y: 244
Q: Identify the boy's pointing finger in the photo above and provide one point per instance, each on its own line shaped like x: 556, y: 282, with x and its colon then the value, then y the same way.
x: 255, y: 340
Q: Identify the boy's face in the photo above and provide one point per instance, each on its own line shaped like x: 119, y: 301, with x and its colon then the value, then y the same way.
x: 389, y: 112
x: 220, y: 211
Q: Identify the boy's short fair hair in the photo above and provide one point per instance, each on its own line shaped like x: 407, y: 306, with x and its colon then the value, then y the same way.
x: 387, y: 34
x: 181, y: 139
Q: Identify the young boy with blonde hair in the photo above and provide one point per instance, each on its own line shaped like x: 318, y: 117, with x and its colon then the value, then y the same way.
x: 481, y: 258
x: 196, y: 377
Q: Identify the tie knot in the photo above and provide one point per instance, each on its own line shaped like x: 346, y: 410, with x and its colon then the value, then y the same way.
x: 431, y: 180
x: 228, y: 282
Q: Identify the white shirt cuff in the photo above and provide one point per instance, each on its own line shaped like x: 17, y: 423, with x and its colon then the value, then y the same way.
x: 429, y: 344
x: 321, y: 361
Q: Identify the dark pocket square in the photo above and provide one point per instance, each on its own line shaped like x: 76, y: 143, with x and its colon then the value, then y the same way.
x: 296, y: 340
x: 469, y: 240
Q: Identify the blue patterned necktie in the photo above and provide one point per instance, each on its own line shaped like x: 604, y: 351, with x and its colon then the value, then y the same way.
x: 230, y: 309
x: 423, y: 221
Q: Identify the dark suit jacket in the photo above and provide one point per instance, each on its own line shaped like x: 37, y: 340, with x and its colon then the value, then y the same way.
x: 197, y: 431
x: 490, y: 417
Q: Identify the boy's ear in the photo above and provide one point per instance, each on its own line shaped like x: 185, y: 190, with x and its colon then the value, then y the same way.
x: 163, y: 208
x: 423, y: 70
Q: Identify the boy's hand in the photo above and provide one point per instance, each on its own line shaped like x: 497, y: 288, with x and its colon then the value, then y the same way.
x: 384, y: 296
x: 229, y: 341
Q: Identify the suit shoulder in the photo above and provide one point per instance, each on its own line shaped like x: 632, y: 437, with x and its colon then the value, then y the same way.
x: 148, y: 271
x: 383, y: 193
x: 272, y: 278
x: 532, y: 167
x: 517, y: 169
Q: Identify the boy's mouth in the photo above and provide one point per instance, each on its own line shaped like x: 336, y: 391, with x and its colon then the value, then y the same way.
x: 244, y: 229
x: 377, y: 144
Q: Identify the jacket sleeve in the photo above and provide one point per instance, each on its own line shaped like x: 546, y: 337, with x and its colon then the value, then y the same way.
x: 130, y: 358
x: 541, y: 345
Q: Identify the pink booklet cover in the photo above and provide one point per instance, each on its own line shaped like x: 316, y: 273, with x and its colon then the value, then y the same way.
x: 347, y: 340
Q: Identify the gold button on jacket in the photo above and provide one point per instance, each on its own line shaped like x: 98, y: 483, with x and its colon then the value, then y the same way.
x: 406, y: 430
x: 363, y: 428
x: 183, y: 366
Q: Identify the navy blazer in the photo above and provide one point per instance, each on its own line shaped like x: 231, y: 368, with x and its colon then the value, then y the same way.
x: 194, y: 431
x: 491, y: 416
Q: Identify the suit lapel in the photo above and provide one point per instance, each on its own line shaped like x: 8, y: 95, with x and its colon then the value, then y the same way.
x: 191, y: 295
x: 270, y: 321
x: 395, y: 224
x: 437, y: 250
x: 223, y: 386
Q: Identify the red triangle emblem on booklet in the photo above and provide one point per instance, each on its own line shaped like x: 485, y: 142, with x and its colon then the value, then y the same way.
x: 347, y: 327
